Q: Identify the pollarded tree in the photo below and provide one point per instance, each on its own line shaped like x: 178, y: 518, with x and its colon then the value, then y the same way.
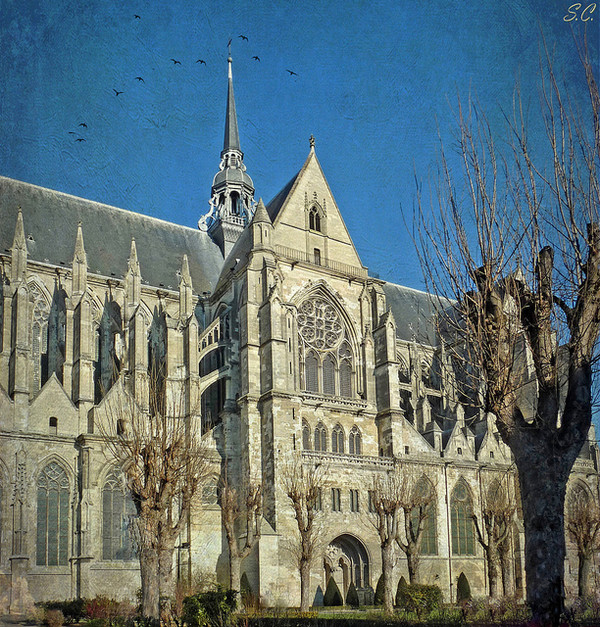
x: 155, y: 438
x: 583, y: 527
x: 497, y: 514
x: 516, y: 244
x: 303, y: 484
x: 235, y: 506
x: 417, y: 503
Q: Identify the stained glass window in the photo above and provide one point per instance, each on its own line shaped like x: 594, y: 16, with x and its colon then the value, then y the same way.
x: 118, y: 511
x: 461, y: 510
x: 52, y: 516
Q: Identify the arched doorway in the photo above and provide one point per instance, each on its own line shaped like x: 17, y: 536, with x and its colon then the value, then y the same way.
x: 347, y: 561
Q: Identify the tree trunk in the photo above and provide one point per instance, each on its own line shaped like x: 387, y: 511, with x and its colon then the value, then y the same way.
x: 165, y: 583
x: 304, y: 585
x: 583, y: 580
x: 492, y: 565
x: 543, y: 475
x: 150, y: 583
x: 412, y: 559
x: 234, y: 569
x: 387, y: 566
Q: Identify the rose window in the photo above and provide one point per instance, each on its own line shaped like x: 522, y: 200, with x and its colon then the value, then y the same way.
x: 319, y: 324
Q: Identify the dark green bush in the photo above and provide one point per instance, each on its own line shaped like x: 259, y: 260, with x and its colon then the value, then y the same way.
x: 379, y: 592
x: 209, y: 609
x: 73, y: 610
x: 332, y: 594
x: 352, y: 596
x: 418, y: 598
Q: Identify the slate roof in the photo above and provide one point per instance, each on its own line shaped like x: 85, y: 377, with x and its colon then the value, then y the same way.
x: 51, y: 219
x: 275, y: 205
x: 414, y: 312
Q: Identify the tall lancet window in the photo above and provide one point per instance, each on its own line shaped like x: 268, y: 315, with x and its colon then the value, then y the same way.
x: 326, y: 356
x: 108, y: 364
x: 314, y: 219
x: 52, y: 516
x: 39, y: 336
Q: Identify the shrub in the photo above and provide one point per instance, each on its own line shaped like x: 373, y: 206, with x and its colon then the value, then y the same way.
x: 332, y: 594
x: 352, y: 596
x: 379, y: 592
x: 72, y: 611
x: 418, y: 598
x: 209, y: 609
x: 249, y: 599
x: 54, y: 618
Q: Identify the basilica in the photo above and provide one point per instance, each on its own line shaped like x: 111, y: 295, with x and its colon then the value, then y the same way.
x: 293, y: 349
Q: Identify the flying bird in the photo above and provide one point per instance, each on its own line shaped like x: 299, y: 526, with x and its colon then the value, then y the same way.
x: 201, y: 61
x: 72, y: 133
x: 140, y: 79
x: 243, y: 37
x: 80, y: 139
x: 117, y: 92
x: 256, y: 58
x: 83, y: 124
x: 292, y: 73
x: 137, y: 17
x: 175, y: 61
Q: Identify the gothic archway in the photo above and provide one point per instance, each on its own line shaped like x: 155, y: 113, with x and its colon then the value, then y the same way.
x: 347, y: 561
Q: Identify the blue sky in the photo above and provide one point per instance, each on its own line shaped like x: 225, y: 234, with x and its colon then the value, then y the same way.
x: 376, y: 80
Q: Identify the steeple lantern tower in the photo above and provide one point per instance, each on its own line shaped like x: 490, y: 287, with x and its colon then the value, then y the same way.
x: 232, y: 195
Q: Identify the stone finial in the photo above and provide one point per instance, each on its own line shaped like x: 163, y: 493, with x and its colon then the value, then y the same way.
x: 19, y: 250
x: 311, y: 141
x: 186, y: 306
x: 186, y: 277
x: 134, y: 264
x: 79, y: 264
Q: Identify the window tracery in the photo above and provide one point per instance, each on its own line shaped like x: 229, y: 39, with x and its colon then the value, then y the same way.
x: 337, y: 439
x: 52, y: 516
x: 320, y: 437
x: 305, y: 436
x: 461, y: 510
x: 117, y: 513
x: 355, y: 441
x: 327, y: 360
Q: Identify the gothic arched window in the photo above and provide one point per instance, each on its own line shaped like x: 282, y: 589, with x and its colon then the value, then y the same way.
x: 324, y: 343
x: 52, y: 516
x: 314, y: 219
x: 428, y: 544
x: 117, y: 512
x: 337, y: 439
x: 320, y: 437
x: 461, y: 510
x: 39, y: 336
x: 354, y: 441
x: 305, y: 436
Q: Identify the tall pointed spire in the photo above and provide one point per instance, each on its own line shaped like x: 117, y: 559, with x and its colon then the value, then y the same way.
x: 232, y: 195
x: 232, y: 137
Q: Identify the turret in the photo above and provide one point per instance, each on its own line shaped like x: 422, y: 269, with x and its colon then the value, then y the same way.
x: 232, y: 194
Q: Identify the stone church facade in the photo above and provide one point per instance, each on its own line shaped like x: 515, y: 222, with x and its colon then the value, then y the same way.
x: 268, y: 315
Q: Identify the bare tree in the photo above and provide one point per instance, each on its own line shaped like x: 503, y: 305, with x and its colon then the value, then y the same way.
x: 155, y: 438
x: 583, y: 527
x: 494, y: 528
x: 233, y: 511
x: 516, y: 244
x: 387, y: 496
x: 417, y: 497
x: 303, y: 484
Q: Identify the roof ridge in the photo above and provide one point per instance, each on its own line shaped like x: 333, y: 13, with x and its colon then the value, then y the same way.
x: 99, y: 204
